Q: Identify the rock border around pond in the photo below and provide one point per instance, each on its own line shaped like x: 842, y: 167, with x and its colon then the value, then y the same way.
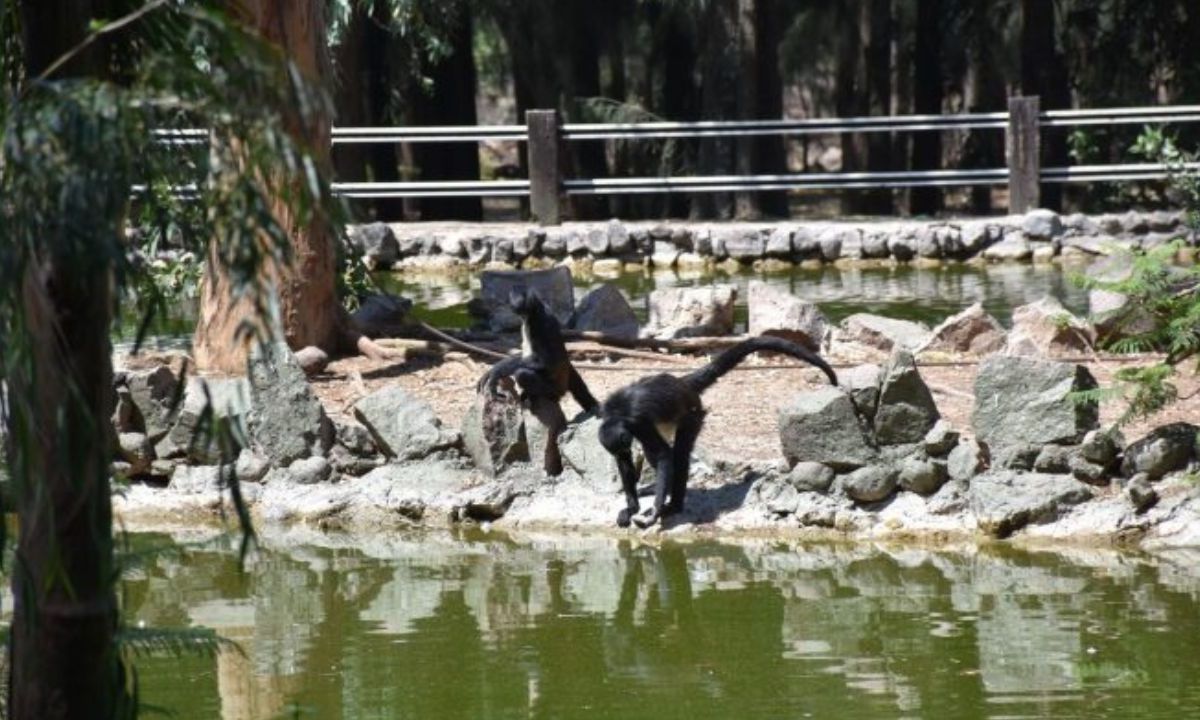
x: 1037, y: 236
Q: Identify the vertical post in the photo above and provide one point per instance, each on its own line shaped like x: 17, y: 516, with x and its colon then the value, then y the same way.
x: 1022, y: 146
x: 545, y: 178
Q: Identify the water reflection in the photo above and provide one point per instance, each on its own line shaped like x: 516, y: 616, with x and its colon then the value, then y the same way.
x: 925, y: 294
x: 434, y: 626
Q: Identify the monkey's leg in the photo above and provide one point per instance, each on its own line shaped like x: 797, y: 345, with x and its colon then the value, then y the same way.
x: 579, y: 391
x: 618, y: 441
x: 549, y: 413
x: 664, y: 468
x: 502, y: 369
x: 685, y: 441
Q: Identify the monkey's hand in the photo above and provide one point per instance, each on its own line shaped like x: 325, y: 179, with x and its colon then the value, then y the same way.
x: 503, y: 369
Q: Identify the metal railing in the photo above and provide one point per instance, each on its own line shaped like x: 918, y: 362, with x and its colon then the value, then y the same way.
x: 543, y: 136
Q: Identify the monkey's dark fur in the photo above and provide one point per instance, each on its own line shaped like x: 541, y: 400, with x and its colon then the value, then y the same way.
x: 543, y: 373
x: 664, y: 413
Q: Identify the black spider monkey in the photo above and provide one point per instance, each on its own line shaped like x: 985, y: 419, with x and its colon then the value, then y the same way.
x: 543, y: 373
x: 664, y: 413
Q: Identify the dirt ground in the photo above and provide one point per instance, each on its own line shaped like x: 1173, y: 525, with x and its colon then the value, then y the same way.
x: 741, y: 423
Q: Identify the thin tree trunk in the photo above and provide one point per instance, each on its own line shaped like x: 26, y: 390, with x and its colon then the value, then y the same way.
x: 718, y: 101
x: 582, y: 19
x: 770, y: 152
x: 984, y: 92
x: 677, y: 55
x: 927, y: 97
x: 877, y: 28
x: 452, y: 102
x: 1044, y: 73
x: 849, y: 96
x: 309, y: 312
x: 64, y: 663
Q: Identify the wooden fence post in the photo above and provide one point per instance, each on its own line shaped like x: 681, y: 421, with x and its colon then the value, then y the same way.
x: 545, y: 177
x: 1022, y: 147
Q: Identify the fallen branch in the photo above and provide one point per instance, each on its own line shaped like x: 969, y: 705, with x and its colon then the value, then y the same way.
x: 592, y: 347
x: 461, y: 344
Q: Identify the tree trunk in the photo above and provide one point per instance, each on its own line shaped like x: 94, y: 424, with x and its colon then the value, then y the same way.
x: 675, y: 52
x: 1044, y: 73
x: 63, y: 657
x: 927, y: 100
x: 849, y: 97
x: 759, y: 97
x: 309, y: 312
x: 877, y: 29
x: 984, y: 92
x: 718, y: 101
x: 581, y: 49
x: 451, y: 102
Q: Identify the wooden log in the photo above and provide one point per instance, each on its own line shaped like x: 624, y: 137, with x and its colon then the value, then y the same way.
x: 1023, y: 150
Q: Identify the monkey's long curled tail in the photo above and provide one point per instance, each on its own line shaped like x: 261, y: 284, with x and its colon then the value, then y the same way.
x: 706, y: 376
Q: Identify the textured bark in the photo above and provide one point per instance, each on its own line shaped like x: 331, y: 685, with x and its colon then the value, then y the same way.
x: 760, y: 97
x: 850, y: 95
x: 451, y: 101
x: 877, y: 53
x: 927, y: 100
x: 309, y: 312
x: 63, y: 658
x: 984, y: 92
x: 718, y: 101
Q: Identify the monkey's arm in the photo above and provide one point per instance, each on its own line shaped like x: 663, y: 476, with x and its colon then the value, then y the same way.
x: 579, y: 391
x: 502, y: 369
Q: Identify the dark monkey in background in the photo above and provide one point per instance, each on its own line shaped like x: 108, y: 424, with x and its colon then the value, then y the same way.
x: 664, y: 413
x: 543, y: 373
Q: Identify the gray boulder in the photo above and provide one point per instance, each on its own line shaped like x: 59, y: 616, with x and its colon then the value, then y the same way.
x: 940, y: 440
x: 619, y: 239
x: 745, y: 245
x: 230, y: 399
x: 596, y: 241
x: 805, y: 243
x: 821, y: 426
x: 310, y: 470
x: 870, y: 484
x: 970, y: 331
x: 553, y: 286
x: 529, y: 244
x: 906, y: 410
x: 196, y: 480
x: 967, y: 460
x: 691, y: 312
x: 1141, y: 494
x: 1013, y: 248
x: 776, y: 312
x: 286, y: 420
x: 582, y: 452
x: 135, y: 449
x: 355, y: 438
x: 665, y: 255
x: 493, y: 433
x: 839, y: 241
x: 1055, y: 459
x: 1042, y: 224
x: 1045, y: 328
x: 883, y: 333
x: 779, y: 243
x: 1102, y: 447
x: 606, y: 310
x: 377, y: 243
x: 811, y: 477
x: 312, y: 359
x: 1005, y: 501
x: 152, y: 393
x: 1087, y: 472
x: 1021, y: 456
x: 403, y: 426
x: 923, y: 476
x: 251, y: 467
x: 1026, y: 401
x: 1163, y: 450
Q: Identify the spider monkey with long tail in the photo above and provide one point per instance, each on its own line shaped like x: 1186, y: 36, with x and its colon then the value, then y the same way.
x: 543, y: 373
x: 664, y: 413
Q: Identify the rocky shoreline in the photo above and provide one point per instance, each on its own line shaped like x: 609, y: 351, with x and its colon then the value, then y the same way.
x: 1038, y: 236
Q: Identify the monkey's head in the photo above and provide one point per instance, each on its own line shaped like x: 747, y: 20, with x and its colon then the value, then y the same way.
x: 526, y: 303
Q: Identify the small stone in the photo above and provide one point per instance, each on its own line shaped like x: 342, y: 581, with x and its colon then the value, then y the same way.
x: 310, y: 471
x: 1141, y: 494
x: 377, y: 243
x: 862, y: 382
x: 779, y: 243
x: 811, y: 477
x: 1016, y: 457
x: 940, y: 439
x: 1013, y: 248
x: 970, y: 331
x: 1163, y: 450
x: 1101, y: 447
x: 870, y: 484
x: 906, y: 410
x: 1047, y: 328
x: 312, y: 359
x: 251, y: 467
x: 596, y: 241
x: 966, y: 460
x: 1042, y: 224
x: 137, y: 451
x: 923, y: 476
x: 1054, y: 459
x: 356, y: 439
x: 1087, y: 472
x: 883, y: 333
x: 619, y: 240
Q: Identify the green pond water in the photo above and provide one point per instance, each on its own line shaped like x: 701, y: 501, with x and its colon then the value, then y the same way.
x: 928, y: 295
x: 485, y: 626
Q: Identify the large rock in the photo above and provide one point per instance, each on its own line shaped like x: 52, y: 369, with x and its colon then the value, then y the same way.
x: 745, y: 245
x: 383, y: 315
x: 582, y: 452
x: 822, y: 426
x: 377, y: 244
x: 1042, y: 224
x: 287, y: 421
x: 970, y: 331
x: 811, y: 477
x: 226, y: 401
x: 779, y: 313
x: 1026, y: 401
x: 967, y: 460
x: 403, y: 426
x: 906, y: 410
x: 493, y: 433
x: 691, y: 312
x: 1110, y: 312
x: 153, y: 393
x: 1163, y: 450
x: 606, y: 310
x: 883, y: 333
x: 1013, y: 248
x: 1005, y: 501
x: 921, y: 475
x: 862, y: 382
x: 870, y: 484
x: 1045, y: 328
x: 552, y: 285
